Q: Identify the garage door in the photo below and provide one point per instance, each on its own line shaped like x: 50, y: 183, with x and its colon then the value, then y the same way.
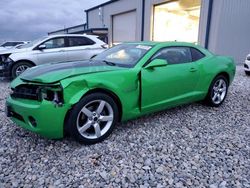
x: 124, y: 27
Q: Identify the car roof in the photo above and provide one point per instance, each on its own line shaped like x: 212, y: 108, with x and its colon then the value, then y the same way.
x: 166, y: 43
x: 71, y: 35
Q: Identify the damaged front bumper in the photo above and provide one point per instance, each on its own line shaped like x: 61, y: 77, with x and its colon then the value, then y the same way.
x: 37, y: 111
x: 40, y: 117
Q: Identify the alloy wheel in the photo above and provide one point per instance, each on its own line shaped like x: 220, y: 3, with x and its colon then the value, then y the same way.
x: 95, y: 119
x: 219, y: 91
x: 20, y: 69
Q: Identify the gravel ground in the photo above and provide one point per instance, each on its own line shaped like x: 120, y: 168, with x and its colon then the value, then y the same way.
x: 188, y: 146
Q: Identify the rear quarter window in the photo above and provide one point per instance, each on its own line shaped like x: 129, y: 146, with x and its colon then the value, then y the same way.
x: 196, y: 54
x: 80, y: 41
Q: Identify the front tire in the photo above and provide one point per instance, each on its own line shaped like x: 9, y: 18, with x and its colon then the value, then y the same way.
x: 93, y: 118
x: 217, y: 91
x: 19, y: 68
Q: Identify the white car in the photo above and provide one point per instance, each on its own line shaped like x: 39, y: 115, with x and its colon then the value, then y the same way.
x: 247, y: 65
x: 11, y: 44
x: 50, y: 49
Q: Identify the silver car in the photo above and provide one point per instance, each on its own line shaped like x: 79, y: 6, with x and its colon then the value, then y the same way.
x: 11, y: 44
x: 50, y: 49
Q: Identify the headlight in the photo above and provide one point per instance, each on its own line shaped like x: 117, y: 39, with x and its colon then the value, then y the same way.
x: 8, y: 60
x: 53, y: 94
x: 5, y: 58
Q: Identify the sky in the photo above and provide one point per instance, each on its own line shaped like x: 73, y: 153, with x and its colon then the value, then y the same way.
x: 30, y: 19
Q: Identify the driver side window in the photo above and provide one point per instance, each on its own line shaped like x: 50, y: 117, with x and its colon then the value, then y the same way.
x: 174, y: 55
x: 55, y: 43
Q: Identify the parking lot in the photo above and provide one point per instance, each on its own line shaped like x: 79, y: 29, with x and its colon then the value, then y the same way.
x: 188, y: 146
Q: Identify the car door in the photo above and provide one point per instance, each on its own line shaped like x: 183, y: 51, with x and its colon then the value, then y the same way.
x: 80, y: 48
x: 53, y: 51
x: 169, y: 85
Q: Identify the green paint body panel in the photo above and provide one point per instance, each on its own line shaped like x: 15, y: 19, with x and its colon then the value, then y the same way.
x: 140, y: 90
x: 49, y: 118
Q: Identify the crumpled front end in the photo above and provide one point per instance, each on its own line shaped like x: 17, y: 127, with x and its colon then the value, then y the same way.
x: 38, y: 108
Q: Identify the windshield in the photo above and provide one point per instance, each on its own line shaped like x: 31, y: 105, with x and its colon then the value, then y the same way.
x: 32, y: 43
x: 126, y: 55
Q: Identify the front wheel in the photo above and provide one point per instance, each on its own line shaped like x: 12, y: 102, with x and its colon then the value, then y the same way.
x: 217, y: 91
x: 19, y: 68
x: 93, y: 118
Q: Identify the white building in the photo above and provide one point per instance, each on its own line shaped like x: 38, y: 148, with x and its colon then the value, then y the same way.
x: 222, y: 26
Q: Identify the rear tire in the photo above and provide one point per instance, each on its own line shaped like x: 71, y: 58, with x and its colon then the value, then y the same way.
x: 217, y: 91
x: 93, y: 118
x: 19, y: 68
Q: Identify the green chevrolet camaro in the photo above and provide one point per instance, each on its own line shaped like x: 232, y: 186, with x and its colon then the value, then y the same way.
x: 86, y: 99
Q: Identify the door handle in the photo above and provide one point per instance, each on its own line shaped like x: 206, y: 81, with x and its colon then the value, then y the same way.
x: 193, y: 69
x: 62, y: 51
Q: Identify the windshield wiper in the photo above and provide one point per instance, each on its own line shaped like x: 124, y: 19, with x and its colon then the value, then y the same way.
x: 109, y: 63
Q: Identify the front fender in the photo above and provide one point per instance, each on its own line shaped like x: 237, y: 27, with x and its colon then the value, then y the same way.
x: 74, y: 91
x: 24, y: 56
x: 126, y: 88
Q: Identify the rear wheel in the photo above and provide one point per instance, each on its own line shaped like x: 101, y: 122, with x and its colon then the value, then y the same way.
x: 19, y: 68
x: 217, y: 91
x: 93, y: 118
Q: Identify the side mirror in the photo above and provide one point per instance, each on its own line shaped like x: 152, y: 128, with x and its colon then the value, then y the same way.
x: 42, y: 47
x: 156, y: 63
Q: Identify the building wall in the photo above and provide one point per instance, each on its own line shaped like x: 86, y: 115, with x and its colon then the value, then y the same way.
x: 203, y: 22
x: 230, y: 28
x: 228, y: 33
x: 122, y: 6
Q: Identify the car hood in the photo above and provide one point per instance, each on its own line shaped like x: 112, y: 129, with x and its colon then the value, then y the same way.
x: 51, y: 73
x: 13, y: 50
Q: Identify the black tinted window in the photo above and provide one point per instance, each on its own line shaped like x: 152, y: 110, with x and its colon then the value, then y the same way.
x: 11, y: 44
x: 80, y: 41
x: 55, y: 43
x: 196, y: 54
x: 174, y: 55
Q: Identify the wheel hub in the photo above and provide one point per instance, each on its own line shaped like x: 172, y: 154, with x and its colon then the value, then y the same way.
x: 95, y: 117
